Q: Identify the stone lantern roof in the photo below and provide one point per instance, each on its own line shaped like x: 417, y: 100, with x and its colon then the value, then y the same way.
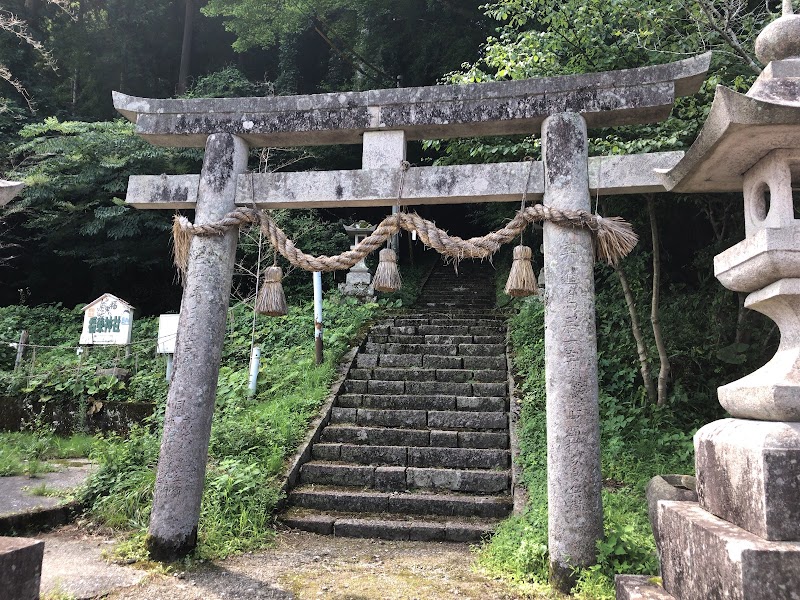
x: 741, y: 129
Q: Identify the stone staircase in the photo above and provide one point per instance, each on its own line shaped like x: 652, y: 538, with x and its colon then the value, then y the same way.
x: 417, y: 446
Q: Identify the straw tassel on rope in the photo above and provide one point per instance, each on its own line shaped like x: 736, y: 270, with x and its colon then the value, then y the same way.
x: 522, y: 280
x: 271, y: 299
x: 181, y: 242
x: 387, y: 275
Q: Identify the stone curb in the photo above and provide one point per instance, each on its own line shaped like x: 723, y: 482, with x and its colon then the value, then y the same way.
x: 39, y: 519
x: 518, y: 491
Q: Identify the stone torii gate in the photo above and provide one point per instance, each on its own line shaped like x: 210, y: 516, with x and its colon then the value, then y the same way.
x: 383, y: 121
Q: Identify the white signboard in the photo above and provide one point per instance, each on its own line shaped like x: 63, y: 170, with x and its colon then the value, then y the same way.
x: 167, y: 333
x: 106, y: 321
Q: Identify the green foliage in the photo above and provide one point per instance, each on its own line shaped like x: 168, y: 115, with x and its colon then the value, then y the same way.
x: 71, y: 225
x: 229, y: 82
x: 638, y: 441
x: 250, y: 439
x: 32, y: 452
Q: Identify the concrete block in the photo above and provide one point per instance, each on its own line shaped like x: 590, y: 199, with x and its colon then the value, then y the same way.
x: 439, y: 387
x: 390, y: 479
x: 490, y: 376
x: 749, y: 474
x: 373, y: 455
x: 441, y: 362
x: 20, y: 567
x: 355, y: 387
x: 360, y: 374
x: 367, y: 528
x: 639, y: 587
x: 321, y: 524
x: 458, y: 480
x: 392, y: 418
x: 485, y: 362
x: 401, y: 360
x: 450, y: 505
x: 404, y: 373
x: 440, y: 330
x: 489, y: 339
x: 448, y: 339
x: 488, y: 389
x: 343, y: 415
x: 703, y: 556
x: 384, y: 387
x: 454, y: 375
x: 333, y: 500
x: 462, y: 458
x: 349, y: 400
x: 444, y: 439
x: 481, y: 349
x: 326, y: 451
x: 336, y: 474
x: 409, y: 402
x: 462, y: 419
x: 466, y: 532
x: 479, y: 403
x: 417, y: 340
x: 482, y: 439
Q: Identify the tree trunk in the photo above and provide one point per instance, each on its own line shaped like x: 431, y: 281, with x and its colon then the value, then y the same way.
x: 186, y: 49
x: 636, y: 328
x: 663, y: 372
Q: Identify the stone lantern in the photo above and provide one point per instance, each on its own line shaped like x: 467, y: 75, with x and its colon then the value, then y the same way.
x: 358, y: 281
x: 742, y: 538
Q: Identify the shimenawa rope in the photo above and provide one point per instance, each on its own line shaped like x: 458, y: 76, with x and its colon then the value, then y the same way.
x: 614, y: 237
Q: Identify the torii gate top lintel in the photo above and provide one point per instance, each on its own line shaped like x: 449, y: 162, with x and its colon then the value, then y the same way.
x: 625, y: 97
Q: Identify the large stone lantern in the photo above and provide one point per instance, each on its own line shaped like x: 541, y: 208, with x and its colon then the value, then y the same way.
x: 358, y: 281
x: 742, y: 538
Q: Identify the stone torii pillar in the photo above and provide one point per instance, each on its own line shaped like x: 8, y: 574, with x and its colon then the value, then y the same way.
x: 201, y: 331
x: 574, y: 481
x: 383, y: 120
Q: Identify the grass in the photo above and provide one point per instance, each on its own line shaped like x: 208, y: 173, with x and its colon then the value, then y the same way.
x: 46, y: 491
x: 33, y: 453
x: 251, y: 438
x: 637, y: 441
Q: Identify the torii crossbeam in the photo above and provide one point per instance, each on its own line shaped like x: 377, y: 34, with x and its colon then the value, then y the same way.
x: 383, y: 120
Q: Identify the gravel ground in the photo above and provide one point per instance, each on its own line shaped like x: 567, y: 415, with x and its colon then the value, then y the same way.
x: 308, y: 566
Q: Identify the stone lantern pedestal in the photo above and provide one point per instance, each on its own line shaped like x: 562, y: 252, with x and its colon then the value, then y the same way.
x: 358, y: 281
x: 741, y: 540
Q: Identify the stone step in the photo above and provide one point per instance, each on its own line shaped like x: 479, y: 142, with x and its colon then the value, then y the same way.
x: 410, y: 373
x: 335, y: 499
x: 398, y: 478
x: 433, y: 402
x: 378, y: 526
x: 395, y: 436
x: 436, y: 349
x: 423, y: 388
x: 405, y: 456
x: 365, y: 361
x: 449, y: 340
x: 444, y: 321
x: 420, y: 419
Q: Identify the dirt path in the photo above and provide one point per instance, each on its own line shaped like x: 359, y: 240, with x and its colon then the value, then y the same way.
x: 305, y: 566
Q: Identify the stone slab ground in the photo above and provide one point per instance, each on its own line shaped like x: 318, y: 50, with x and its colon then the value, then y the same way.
x: 22, y: 511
